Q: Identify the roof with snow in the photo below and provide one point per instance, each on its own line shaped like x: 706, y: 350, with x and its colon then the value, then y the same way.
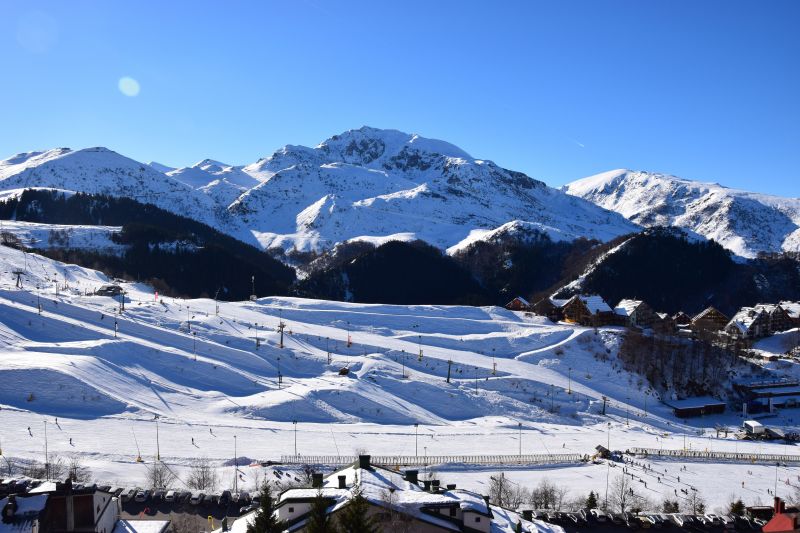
x: 141, y: 526
x: 744, y: 319
x: 708, y: 311
x: 627, y: 307
x: 521, y: 300
x: 26, y: 514
x: 595, y: 303
x: 377, y: 484
x: 792, y: 308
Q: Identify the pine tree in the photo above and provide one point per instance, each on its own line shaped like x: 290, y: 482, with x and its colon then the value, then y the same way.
x: 737, y: 508
x: 353, y: 518
x: 320, y: 521
x: 265, y: 520
x: 591, y: 500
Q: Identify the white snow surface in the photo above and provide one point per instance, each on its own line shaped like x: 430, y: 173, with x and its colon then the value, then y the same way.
x: 744, y: 222
x: 210, y: 383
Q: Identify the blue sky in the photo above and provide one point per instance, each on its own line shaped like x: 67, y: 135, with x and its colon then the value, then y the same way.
x: 560, y: 90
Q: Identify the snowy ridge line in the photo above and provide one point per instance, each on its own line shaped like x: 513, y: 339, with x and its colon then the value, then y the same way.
x: 726, y: 456
x: 414, y: 460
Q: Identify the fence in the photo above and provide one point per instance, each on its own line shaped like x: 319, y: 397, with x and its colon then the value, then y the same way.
x: 724, y: 456
x: 412, y: 460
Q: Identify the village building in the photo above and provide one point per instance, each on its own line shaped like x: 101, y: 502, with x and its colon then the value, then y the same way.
x: 664, y: 324
x: 587, y: 310
x: 634, y: 313
x: 748, y: 323
x: 781, y: 521
x: 792, y: 312
x: 682, y: 320
x: 709, y: 320
x: 552, y: 308
x: 777, y: 317
x: 62, y: 509
x: 399, y: 498
x: 519, y: 304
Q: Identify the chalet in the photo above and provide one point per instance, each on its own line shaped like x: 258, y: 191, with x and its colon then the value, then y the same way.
x: 682, y: 320
x: 519, y: 304
x: 782, y: 522
x: 692, y: 407
x: 587, y: 310
x: 664, y: 324
x: 634, y: 313
x: 62, y: 509
x: 392, y: 497
x: 551, y: 308
x: 777, y: 317
x: 748, y: 323
x: 793, y: 312
x: 709, y: 320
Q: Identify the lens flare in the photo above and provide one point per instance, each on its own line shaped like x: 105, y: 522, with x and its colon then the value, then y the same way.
x: 128, y: 86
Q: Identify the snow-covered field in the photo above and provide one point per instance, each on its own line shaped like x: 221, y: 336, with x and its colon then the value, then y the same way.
x: 204, y: 378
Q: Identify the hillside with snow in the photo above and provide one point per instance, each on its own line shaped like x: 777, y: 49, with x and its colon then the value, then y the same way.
x: 366, y: 184
x: 744, y: 222
x: 475, y: 380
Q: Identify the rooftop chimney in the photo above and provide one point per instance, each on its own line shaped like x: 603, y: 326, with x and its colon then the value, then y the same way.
x: 435, y: 483
x: 316, y: 480
x: 426, y: 484
x: 412, y: 476
x: 342, y: 482
x: 363, y: 461
x: 451, y: 486
x: 779, y: 506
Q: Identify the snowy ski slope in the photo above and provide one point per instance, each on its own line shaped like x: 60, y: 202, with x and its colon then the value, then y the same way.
x: 203, y: 377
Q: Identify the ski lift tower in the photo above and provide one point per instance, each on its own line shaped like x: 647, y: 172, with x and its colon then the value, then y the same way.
x: 18, y: 273
x: 253, y: 296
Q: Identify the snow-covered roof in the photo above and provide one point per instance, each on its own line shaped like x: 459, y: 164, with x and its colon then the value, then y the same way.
x: 47, y: 486
x: 793, y: 308
x: 689, y: 403
x: 744, y: 319
x: 595, y: 303
x: 767, y: 308
x: 384, y: 487
x: 28, y: 509
x: 522, y: 300
x: 141, y: 526
x: 627, y: 307
x: 707, y: 311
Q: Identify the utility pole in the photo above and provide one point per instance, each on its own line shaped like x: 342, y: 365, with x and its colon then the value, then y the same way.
x: 605, y: 401
x: 519, y: 424
x: 46, y: 457
x: 416, y: 434
x: 569, y: 380
x: 121, y: 301
x: 449, y: 365
x: 328, y: 348
x: 235, y: 468
x: 116, y: 327
x: 295, y: 437
x: 349, y: 340
x: 419, y: 343
x: 257, y: 342
x: 194, y: 344
x: 158, y: 447
x: 494, y: 364
x: 404, y: 364
x: 216, y: 302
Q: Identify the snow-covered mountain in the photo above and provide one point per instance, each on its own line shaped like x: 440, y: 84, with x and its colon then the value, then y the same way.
x: 367, y: 184
x: 371, y: 184
x: 744, y: 222
x: 102, y: 171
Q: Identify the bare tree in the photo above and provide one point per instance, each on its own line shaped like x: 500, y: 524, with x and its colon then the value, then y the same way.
x: 622, y: 495
x: 159, y: 476
x: 394, y: 519
x: 203, y: 475
x: 78, y: 472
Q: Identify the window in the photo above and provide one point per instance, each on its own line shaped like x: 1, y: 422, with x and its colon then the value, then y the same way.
x: 453, y: 511
x: 477, y: 519
x: 291, y: 509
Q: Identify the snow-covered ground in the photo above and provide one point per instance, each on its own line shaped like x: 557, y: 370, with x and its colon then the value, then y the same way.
x: 204, y: 378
